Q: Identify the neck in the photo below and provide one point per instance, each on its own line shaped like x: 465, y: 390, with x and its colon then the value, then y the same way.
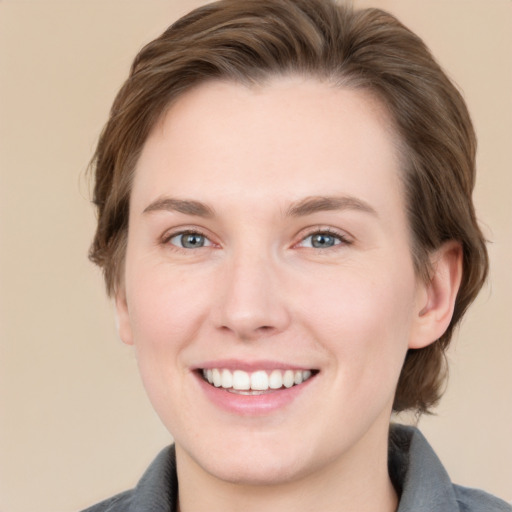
x: 358, y: 483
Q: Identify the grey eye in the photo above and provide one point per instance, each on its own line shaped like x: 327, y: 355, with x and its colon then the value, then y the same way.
x: 321, y: 241
x: 189, y: 240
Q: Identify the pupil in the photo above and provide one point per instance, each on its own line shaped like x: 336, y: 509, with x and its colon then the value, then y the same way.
x: 192, y: 240
x: 322, y: 240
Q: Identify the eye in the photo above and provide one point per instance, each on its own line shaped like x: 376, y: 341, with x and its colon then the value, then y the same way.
x: 189, y: 240
x: 322, y: 240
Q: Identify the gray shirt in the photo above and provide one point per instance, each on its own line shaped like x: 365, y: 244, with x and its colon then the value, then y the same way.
x: 417, y: 474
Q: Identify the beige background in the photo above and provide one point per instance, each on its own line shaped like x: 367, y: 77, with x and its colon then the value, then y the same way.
x: 75, y: 425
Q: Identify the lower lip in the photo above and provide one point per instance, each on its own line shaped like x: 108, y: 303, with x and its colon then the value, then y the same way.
x: 251, y: 405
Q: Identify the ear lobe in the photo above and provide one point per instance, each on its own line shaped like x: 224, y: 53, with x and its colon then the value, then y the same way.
x: 435, y: 308
x: 123, y: 317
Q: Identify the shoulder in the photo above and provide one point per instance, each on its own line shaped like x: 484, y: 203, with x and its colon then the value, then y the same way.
x: 423, y: 483
x: 117, y: 503
x: 475, y: 500
x: 156, y: 491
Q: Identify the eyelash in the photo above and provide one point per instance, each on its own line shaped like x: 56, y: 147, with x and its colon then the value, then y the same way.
x: 168, y: 237
x: 340, y: 238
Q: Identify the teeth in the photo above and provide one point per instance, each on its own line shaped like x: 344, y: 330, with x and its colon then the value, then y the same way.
x: 216, y: 378
x: 275, y: 381
x: 260, y: 380
x: 288, y: 379
x: 241, y: 380
x: 226, y: 379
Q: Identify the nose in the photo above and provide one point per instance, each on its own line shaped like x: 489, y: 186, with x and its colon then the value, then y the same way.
x: 250, y: 300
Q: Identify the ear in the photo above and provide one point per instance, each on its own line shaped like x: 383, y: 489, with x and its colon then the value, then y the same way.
x: 436, y: 298
x: 123, y: 325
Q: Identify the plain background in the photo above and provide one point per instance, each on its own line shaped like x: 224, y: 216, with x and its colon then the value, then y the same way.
x: 75, y: 426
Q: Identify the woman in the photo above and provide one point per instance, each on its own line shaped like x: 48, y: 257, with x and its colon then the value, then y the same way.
x: 285, y: 223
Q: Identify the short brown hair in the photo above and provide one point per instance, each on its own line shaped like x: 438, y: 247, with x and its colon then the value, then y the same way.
x: 251, y: 41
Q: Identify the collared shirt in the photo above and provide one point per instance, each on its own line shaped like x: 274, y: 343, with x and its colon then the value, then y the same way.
x: 417, y: 474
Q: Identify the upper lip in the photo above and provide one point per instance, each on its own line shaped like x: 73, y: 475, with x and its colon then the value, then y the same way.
x: 250, y: 366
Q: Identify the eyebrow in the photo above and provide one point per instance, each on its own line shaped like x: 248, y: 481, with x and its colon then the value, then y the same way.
x: 314, y: 204
x: 306, y: 206
x: 185, y: 206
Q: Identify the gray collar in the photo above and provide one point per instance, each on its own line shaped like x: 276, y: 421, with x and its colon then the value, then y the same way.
x: 417, y: 473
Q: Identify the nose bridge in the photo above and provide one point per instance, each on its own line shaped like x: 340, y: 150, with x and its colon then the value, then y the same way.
x: 251, y: 300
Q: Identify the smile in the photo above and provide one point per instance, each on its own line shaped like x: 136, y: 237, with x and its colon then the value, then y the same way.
x: 257, y: 382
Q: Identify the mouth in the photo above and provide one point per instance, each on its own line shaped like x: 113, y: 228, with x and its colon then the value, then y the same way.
x: 258, y: 382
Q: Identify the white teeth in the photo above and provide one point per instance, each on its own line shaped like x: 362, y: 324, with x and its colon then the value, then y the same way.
x: 288, y: 379
x: 260, y: 380
x: 227, y: 379
x: 217, y: 379
x: 275, y: 381
x: 241, y: 380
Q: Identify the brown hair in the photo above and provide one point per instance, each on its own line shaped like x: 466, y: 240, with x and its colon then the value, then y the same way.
x: 253, y: 40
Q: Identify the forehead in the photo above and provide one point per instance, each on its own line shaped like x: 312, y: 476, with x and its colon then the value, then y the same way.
x: 291, y: 137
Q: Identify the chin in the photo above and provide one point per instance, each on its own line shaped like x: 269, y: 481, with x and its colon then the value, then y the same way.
x: 256, y: 472
x: 251, y: 463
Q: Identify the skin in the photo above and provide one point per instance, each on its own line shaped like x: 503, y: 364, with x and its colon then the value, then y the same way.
x: 259, y: 290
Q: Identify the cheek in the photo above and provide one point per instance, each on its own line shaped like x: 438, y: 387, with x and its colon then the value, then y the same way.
x: 167, y: 310
x: 364, y: 318
x: 167, y: 307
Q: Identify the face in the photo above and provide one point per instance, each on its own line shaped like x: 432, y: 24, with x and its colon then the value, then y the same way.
x: 269, y: 288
